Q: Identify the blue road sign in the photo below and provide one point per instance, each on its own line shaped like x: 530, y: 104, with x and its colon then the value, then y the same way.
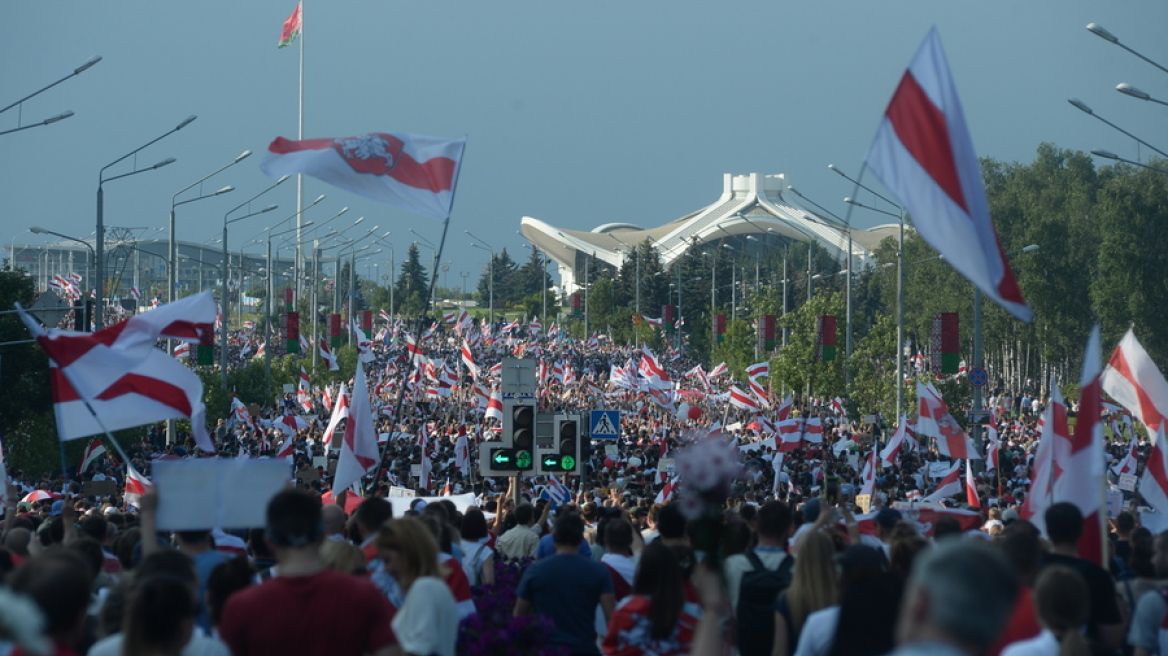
x: 978, y: 377
x: 605, y: 424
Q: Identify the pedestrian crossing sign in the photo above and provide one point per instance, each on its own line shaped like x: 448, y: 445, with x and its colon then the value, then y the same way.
x: 605, y: 424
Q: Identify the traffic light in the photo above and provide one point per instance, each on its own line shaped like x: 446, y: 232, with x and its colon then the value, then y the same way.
x: 519, y: 432
x: 565, y: 456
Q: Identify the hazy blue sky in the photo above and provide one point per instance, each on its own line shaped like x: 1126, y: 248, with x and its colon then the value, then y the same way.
x: 576, y: 113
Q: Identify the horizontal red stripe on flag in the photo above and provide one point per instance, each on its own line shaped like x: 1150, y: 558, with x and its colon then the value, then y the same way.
x: 923, y: 129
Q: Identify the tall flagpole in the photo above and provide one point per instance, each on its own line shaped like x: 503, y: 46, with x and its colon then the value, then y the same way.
x: 299, y: 259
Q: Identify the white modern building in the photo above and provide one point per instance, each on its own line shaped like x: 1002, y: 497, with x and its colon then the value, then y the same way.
x: 750, y: 205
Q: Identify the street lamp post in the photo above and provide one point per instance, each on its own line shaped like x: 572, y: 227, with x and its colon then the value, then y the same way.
x: 270, y: 301
x: 1101, y: 32
x: 225, y: 302
x: 174, y: 202
x: 483, y: 245
x: 1106, y: 154
x: 1082, y: 106
x: 59, y: 117
x: 100, y: 239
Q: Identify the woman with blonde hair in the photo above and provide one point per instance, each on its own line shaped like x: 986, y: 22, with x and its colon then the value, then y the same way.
x: 813, y: 587
x: 342, y: 557
x: 1063, y: 603
x: 426, y: 624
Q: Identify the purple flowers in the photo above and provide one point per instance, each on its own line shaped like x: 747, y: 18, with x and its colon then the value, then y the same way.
x: 494, y: 631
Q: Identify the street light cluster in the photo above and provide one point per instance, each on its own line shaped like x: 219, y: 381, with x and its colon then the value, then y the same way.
x: 1128, y: 90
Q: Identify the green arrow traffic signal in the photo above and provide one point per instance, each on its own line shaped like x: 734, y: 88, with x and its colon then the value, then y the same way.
x: 523, y: 459
x: 550, y: 461
x: 501, y: 457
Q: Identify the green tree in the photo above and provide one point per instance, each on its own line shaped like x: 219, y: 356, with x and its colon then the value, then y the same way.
x: 797, y: 366
x: 412, y: 283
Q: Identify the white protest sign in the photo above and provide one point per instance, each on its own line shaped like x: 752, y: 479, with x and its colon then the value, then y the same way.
x: 216, y: 493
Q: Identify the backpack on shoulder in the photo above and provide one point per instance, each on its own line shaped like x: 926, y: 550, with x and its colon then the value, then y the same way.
x: 756, y: 598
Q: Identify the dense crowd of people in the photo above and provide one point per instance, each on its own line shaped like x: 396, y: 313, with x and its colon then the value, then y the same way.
x: 612, y: 561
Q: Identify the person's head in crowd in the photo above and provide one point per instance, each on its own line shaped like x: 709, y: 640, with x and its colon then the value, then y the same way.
x: 961, y: 594
x: 813, y: 579
x: 1064, y: 524
x: 590, y: 512
x: 1142, y: 551
x: 671, y: 523
x: 774, y: 522
x: 945, y: 527
x: 16, y: 541
x: 370, y: 515
x: 293, y: 523
x: 194, y: 542
x: 409, y: 549
x: 474, y: 525
x: 568, y: 530
x: 159, y: 617
x: 660, y: 577
x: 91, y: 552
x: 618, y: 537
x: 1160, y: 555
x: 903, y: 553
x: 886, y: 521
x: 442, y: 531
x: 738, y: 535
x: 58, y: 582
x: 1063, y: 603
x: 124, y: 546
x: 225, y: 580
x: 524, y: 514
x: 1021, y: 545
x: 96, y: 527
x: 1125, y: 523
x: 334, y: 520
x: 342, y: 557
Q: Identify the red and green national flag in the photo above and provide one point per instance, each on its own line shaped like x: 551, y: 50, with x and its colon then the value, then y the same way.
x: 291, y: 28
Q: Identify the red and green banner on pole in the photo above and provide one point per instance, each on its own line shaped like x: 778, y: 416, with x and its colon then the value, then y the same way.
x: 946, y: 358
x: 291, y: 323
x: 825, y: 337
x: 766, y: 332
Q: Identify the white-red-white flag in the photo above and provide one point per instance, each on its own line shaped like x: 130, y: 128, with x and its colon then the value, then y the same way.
x: 327, y: 354
x: 868, y: 477
x: 741, y: 399
x: 304, y: 391
x: 462, y: 452
x: 891, y: 451
x: 1134, y: 380
x: 125, y: 379
x: 495, y: 405
x: 411, y: 171
x: 971, y: 486
x: 758, y: 370
x: 666, y: 493
x: 136, y: 486
x: 813, y: 430
x: 92, y: 452
x: 784, y: 411
x: 935, y: 421
x: 1154, y: 484
x: 790, y: 432
x: 1054, y: 438
x: 359, y: 452
x: 1130, y: 461
x: 340, y: 411
x: 1083, y: 479
x: 949, y: 484
x: 468, y: 360
x: 924, y: 154
x: 777, y: 465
